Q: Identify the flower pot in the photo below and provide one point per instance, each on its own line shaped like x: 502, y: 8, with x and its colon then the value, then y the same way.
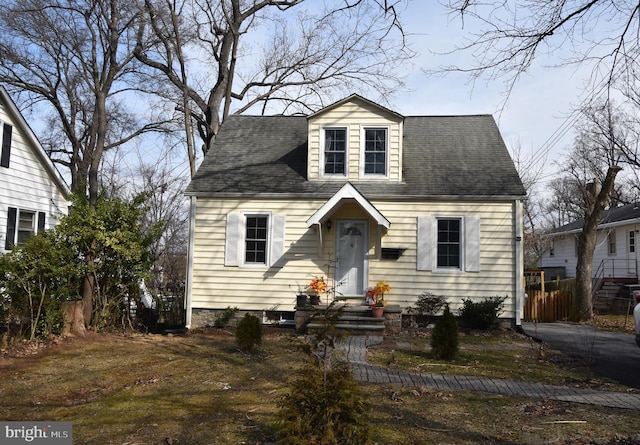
x: 314, y: 299
x: 301, y: 301
x: 377, y: 311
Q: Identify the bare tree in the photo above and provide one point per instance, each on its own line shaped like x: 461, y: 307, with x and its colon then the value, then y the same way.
x: 596, y: 159
x: 76, y: 58
x: 512, y: 34
x: 230, y: 56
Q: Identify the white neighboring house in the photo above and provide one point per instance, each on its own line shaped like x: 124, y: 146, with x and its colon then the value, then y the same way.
x: 33, y: 194
x: 617, y: 244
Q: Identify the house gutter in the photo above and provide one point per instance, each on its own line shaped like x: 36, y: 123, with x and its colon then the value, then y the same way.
x: 369, y: 196
x: 519, y: 261
x: 189, y: 286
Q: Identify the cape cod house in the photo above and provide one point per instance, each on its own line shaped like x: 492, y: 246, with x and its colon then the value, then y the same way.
x: 32, y: 192
x: 356, y: 193
x: 616, y: 255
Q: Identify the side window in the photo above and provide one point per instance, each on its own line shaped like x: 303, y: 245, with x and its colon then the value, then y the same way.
x: 255, y: 239
x: 26, y: 226
x: 21, y: 224
x: 375, y: 151
x: 448, y: 250
x: 611, y: 243
x: 256, y: 229
x: 632, y: 241
x: 335, y: 151
x: 5, y: 151
x: 448, y: 244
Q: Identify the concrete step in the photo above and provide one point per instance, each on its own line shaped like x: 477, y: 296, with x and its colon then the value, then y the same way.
x: 354, y: 321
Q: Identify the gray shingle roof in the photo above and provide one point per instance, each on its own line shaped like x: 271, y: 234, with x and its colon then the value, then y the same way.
x: 444, y: 156
x: 627, y: 212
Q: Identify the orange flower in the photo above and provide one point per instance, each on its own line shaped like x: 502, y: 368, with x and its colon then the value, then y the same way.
x: 317, y: 285
x: 382, y: 287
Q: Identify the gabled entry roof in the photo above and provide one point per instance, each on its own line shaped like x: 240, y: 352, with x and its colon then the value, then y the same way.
x: 348, y: 191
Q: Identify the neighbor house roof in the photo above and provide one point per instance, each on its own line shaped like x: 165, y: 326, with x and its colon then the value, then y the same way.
x: 21, y: 123
x: 443, y: 157
x: 628, y: 214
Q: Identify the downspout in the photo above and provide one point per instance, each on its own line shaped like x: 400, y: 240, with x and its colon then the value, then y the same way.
x: 519, y: 262
x: 189, y: 287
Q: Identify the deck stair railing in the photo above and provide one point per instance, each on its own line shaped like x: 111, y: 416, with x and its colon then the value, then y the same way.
x: 605, y: 287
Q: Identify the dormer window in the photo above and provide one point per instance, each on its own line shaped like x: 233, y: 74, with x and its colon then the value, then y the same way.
x: 375, y: 151
x: 335, y: 151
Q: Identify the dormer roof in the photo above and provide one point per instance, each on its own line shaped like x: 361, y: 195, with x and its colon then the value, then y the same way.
x: 357, y: 98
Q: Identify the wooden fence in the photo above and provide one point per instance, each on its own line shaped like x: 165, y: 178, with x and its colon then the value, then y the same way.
x: 547, y: 307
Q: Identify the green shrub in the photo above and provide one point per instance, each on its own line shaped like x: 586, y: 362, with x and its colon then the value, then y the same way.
x: 429, y: 304
x: 444, y: 338
x: 248, y: 333
x: 482, y: 315
x: 223, y: 318
x: 320, y: 412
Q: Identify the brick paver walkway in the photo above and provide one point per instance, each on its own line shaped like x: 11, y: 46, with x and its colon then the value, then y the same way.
x: 355, y: 348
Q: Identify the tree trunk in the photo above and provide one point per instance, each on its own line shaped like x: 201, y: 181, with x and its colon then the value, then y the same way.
x: 596, y: 202
x: 73, y: 318
x: 583, y: 303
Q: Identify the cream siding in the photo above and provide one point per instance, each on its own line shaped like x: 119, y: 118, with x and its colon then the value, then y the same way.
x: 355, y: 116
x: 26, y: 184
x: 257, y: 288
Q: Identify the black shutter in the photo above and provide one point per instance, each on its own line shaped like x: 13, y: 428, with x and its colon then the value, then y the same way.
x: 41, y: 219
x: 6, y: 145
x: 11, y: 228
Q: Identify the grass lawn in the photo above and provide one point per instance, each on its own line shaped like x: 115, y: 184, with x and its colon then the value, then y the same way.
x: 199, y: 389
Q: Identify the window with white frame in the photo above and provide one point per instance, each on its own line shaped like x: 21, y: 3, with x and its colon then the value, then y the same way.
x: 255, y: 240
x: 632, y: 241
x: 21, y: 224
x: 375, y: 151
x: 449, y: 243
x: 335, y: 151
x: 611, y: 243
x: 26, y: 226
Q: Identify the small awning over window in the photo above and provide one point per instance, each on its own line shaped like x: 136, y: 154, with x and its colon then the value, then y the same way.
x: 347, y: 192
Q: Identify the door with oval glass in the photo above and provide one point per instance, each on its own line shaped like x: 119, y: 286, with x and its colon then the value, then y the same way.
x: 352, y: 241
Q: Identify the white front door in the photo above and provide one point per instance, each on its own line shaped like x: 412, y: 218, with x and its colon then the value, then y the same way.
x: 352, y: 241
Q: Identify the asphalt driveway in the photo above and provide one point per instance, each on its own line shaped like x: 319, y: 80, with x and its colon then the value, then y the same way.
x: 611, y: 354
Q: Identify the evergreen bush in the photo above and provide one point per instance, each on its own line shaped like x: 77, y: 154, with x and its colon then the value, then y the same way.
x: 248, y: 332
x: 482, y: 315
x: 323, y: 409
x: 444, y: 338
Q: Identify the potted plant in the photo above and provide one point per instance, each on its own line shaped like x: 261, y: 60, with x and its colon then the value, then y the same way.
x: 377, y: 310
x: 315, y: 287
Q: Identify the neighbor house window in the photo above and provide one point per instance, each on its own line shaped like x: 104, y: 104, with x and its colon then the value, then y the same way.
x: 449, y: 238
x: 611, y: 243
x: 632, y: 241
x: 21, y: 224
x: 26, y: 225
x: 375, y: 151
x: 335, y: 151
x: 256, y: 240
